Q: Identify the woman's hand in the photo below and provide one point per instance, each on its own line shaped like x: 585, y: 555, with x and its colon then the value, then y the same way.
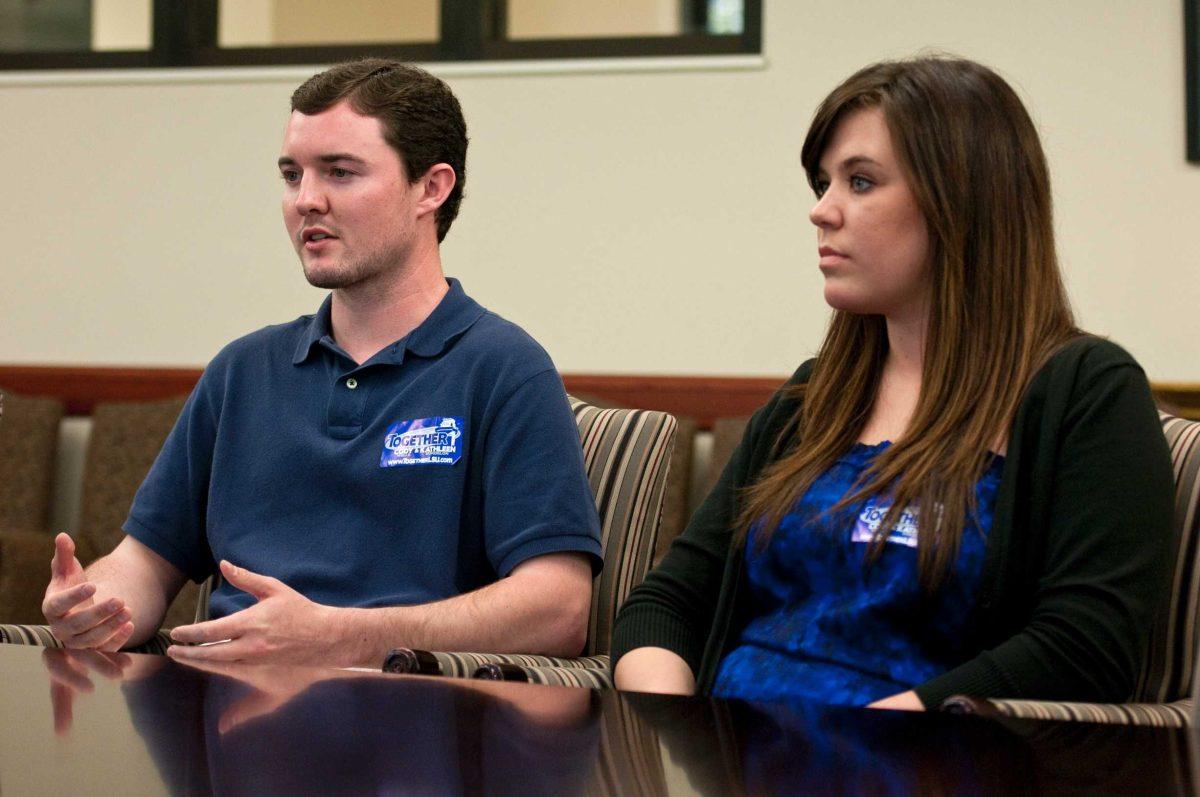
x: 905, y: 701
x: 654, y: 670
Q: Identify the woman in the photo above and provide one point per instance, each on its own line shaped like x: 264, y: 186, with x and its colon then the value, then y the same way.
x: 962, y: 493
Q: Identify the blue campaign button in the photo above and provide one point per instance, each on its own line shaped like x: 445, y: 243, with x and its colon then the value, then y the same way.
x: 423, y: 441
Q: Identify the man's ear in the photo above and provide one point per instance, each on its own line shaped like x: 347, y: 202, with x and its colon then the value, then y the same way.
x: 436, y: 184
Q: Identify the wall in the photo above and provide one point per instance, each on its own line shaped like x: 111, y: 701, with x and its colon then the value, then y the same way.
x: 634, y: 222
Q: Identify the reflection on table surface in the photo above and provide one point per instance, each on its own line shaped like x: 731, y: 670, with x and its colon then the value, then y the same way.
x: 86, y: 723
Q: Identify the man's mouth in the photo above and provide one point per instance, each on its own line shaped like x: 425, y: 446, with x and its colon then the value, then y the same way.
x: 315, y: 235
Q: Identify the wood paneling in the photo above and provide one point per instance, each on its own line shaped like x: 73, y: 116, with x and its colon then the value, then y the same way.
x: 704, y: 398
x: 82, y: 387
x: 1179, y: 398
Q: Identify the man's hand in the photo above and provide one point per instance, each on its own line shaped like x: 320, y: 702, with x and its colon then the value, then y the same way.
x: 69, y: 677
x: 283, y: 627
x: 75, y: 618
x: 272, y: 687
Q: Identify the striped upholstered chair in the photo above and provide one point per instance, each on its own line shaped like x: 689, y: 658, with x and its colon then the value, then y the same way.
x: 626, y: 454
x: 1164, y: 695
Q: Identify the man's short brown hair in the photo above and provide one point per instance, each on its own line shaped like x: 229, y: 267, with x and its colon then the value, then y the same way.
x: 421, y: 117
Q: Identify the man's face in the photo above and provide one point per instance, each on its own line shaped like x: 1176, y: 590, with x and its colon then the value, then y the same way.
x: 347, y: 203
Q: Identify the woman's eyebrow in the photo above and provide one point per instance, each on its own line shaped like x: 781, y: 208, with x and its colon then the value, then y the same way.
x: 850, y: 163
x: 857, y: 160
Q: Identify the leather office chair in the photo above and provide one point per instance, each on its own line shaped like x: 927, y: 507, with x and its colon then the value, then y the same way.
x: 1166, y: 689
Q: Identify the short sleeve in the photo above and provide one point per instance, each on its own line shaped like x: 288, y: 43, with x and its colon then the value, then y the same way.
x: 536, y: 495
x: 169, y: 511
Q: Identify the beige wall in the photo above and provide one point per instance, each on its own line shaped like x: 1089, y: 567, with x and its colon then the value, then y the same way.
x: 633, y: 222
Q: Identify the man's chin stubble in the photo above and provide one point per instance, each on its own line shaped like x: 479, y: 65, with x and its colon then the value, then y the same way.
x: 327, y: 282
x: 332, y: 279
x: 348, y: 275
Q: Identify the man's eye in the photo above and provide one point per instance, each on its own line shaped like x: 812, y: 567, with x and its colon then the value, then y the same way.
x: 289, y: 175
x: 339, y: 172
x: 860, y: 184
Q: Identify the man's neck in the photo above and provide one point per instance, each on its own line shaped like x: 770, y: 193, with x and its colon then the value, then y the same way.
x: 367, y: 318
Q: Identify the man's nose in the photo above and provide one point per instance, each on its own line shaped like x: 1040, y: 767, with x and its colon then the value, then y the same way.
x: 310, y: 198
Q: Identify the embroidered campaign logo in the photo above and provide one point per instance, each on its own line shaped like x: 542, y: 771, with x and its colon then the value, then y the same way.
x: 423, y: 441
x: 871, y: 517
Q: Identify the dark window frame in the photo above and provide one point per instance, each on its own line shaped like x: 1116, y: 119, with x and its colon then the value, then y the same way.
x: 184, y: 34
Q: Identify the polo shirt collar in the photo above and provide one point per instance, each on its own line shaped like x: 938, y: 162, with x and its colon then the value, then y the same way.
x: 318, y: 327
x: 454, y: 315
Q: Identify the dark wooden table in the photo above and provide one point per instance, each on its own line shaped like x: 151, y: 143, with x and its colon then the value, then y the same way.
x: 90, y: 724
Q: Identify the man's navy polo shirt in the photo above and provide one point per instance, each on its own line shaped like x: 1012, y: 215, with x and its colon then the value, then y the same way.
x: 430, y: 470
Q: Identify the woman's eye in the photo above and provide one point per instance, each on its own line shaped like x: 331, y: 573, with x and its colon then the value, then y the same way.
x: 820, y: 187
x: 860, y: 184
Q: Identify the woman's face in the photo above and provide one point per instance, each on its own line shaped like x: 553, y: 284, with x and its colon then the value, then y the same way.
x: 871, y: 236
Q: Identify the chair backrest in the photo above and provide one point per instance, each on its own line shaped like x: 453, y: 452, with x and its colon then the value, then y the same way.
x: 125, y: 440
x: 626, y: 454
x: 28, y: 448
x: 1168, y: 674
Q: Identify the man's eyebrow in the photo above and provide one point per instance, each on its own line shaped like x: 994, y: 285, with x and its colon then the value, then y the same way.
x: 333, y: 157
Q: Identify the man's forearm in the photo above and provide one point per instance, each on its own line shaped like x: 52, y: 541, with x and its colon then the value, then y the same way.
x: 541, y: 608
x: 143, y: 585
x: 145, y: 609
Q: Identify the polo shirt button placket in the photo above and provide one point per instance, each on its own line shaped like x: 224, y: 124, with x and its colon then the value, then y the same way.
x: 352, y: 383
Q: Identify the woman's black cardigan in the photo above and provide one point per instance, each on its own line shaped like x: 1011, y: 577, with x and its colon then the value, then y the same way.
x: 1077, y: 556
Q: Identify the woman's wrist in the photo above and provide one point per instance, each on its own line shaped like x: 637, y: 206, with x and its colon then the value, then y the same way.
x: 652, y: 669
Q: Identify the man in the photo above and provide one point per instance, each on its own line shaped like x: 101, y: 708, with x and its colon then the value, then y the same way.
x: 400, y: 469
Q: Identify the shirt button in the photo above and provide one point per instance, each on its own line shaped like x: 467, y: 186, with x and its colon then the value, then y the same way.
x: 351, y: 383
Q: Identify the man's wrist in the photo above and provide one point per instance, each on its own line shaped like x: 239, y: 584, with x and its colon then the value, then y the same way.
x: 357, y: 637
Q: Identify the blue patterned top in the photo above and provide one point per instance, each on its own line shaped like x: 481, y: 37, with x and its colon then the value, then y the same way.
x: 829, y: 630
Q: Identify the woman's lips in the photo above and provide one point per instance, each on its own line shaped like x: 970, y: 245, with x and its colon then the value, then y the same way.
x: 830, y: 256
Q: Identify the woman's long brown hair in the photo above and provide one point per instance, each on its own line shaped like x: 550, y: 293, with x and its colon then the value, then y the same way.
x: 998, y: 308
